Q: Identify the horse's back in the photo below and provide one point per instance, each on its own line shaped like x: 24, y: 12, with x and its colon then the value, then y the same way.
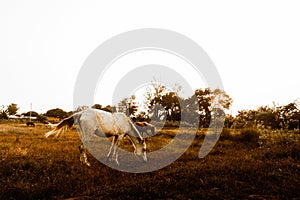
x: 107, y: 123
x: 122, y: 122
x: 91, y: 121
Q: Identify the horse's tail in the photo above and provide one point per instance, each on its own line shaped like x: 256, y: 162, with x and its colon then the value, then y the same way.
x: 62, y: 126
x: 52, y: 125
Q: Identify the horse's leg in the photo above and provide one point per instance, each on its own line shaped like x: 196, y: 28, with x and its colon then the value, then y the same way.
x: 116, y: 149
x: 114, y: 156
x: 111, y: 147
x: 83, y: 156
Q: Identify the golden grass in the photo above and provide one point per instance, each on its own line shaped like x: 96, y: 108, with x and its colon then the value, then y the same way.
x: 35, y: 167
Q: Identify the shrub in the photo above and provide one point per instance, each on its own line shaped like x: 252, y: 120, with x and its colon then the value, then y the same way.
x: 171, y: 124
x: 295, y: 150
x: 269, y: 138
x: 226, y: 134
x: 249, y: 135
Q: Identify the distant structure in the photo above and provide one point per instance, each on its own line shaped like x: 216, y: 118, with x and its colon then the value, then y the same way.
x: 18, y: 116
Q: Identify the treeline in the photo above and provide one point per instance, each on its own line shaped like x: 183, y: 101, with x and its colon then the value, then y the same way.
x: 162, y: 104
x: 12, y: 110
x: 276, y: 117
x: 205, y: 104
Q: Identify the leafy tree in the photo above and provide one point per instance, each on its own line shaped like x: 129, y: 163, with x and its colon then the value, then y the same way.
x: 220, y: 99
x: 97, y: 106
x: 190, y: 110
x: 204, y: 102
x: 41, y: 118
x: 57, y: 112
x: 12, y: 109
x: 128, y: 106
x: 229, y: 121
x: 278, y: 117
x: 33, y: 114
x: 153, y: 96
x: 245, y: 119
x: 3, y: 113
x: 289, y: 116
x: 201, y: 106
x: 109, y: 108
x: 267, y: 117
x: 163, y: 103
x: 171, y: 104
x: 210, y: 104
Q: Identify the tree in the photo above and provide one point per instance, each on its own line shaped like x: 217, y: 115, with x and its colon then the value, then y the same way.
x: 229, y: 120
x: 201, y: 106
x: 245, y: 119
x: 57, y: 112
x: 33, y: 114
x: 128, y: 106
x: 41, y: 118
x: 267, y: 117
x: 109, y: 108
x: 210, y: 104
x: 97, y: 106
x: 277, y: 117
x: 289, y: 116
x: 170, y: 103
x: 12, y: 109
x: 3, y: 113
x: 163, y: 103
x: 220, y: 99
x: 190, y: 110
x: 153, y: 96
x: 204, y: 102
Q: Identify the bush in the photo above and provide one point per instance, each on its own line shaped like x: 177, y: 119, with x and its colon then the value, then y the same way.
x: 3, y: 115
x: 226, y: 134
x: 171, y: 124
x: 295, y: 152
x: 249, y: 135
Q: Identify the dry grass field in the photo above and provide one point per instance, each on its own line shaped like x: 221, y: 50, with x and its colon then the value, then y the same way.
x: 33, y: 167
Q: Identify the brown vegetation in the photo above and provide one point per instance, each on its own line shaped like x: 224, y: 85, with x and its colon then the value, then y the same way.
x: 33, y: 167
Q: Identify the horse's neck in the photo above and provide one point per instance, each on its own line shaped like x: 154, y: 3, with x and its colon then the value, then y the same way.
x: 135, y: 130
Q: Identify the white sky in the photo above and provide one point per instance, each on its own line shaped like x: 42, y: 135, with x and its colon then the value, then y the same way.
x: 255, y: 45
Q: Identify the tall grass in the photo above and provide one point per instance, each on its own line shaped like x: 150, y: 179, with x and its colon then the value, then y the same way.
x: 33, y: 167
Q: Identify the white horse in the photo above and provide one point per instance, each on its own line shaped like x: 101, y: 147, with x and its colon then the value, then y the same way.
x: 144, y: 127
x: 103, y: 124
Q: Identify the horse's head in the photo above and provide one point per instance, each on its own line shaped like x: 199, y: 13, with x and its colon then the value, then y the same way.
x: 140, y: 150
